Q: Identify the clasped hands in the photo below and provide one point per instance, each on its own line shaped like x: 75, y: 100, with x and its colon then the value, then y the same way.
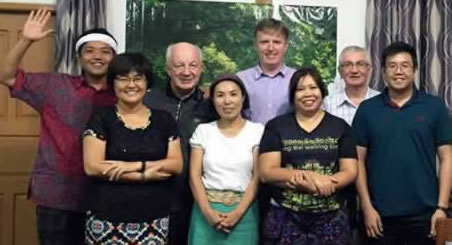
x: 116, y: 169
x: 313, y: 183
x: 223, y: 221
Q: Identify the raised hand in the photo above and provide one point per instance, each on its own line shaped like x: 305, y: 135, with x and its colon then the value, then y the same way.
x: 35, y: 27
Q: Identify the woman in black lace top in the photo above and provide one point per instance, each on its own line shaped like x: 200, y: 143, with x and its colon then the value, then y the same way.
x: 131, y: 152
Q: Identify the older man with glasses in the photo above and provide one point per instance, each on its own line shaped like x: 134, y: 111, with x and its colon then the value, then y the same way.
x: 355, y: 69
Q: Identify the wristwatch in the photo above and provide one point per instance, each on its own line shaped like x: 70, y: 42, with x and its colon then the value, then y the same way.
x: 444, y: 209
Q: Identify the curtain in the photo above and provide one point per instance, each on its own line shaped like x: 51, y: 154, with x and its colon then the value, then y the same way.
x: 73, y: 17
x: 425, y: 24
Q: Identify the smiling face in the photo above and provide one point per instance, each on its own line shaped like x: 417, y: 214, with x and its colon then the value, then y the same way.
x: 94, y: 58
x: 131, y: 88
x: 228, y: 100
x: 271, y: 47
x: 184, y: 67
x: 307, y: 97
x: 399, y: 72
x: 354, y: 68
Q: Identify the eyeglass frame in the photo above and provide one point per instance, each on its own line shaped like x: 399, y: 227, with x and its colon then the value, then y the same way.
x: 404, y: 66
x: 360, y: 65
x: 125, y: 80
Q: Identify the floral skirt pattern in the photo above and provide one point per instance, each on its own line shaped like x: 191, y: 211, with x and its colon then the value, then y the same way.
x: 283, y: 226
x: 102, y: 232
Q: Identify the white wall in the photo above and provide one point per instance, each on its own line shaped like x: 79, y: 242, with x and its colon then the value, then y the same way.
x: 116, y: 21
x: 47, y: 2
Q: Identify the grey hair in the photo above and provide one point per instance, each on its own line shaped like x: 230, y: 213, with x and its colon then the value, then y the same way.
x: 170, y: 48
x: 357, y: 49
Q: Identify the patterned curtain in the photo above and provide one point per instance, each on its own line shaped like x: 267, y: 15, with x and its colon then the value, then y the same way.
x: 73, y: 17
x: 425, y: 24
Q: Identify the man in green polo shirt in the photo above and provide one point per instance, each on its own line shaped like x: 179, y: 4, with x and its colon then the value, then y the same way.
x: 399, y: 134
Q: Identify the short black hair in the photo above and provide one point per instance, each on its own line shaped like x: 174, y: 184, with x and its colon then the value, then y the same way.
x: 233, y: 78
x: 304, y: 71
x: 270, y: 24
x: 125, y: 63
x: 396, y: 48
x: 98, y: 30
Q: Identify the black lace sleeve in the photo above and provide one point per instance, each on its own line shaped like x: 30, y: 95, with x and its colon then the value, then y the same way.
x: 96, y: 125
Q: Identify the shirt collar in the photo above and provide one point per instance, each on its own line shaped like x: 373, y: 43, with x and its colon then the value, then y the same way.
x: 368, y: 93
x: 258, y: 72
x: 412, y: 100
x: 345, y: 99
x: 197, y: 94
x: 80, y: 81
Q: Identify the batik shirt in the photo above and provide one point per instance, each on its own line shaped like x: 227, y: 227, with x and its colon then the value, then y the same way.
x: 65, y: 104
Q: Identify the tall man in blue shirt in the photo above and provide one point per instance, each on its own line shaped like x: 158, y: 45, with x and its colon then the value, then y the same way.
x: 399, y: 134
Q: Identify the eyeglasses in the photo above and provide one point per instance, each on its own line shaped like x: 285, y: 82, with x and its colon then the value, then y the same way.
x: 392, y: 67
x: 126, y: 80
x: 349, y: 65
x: 181, y: 67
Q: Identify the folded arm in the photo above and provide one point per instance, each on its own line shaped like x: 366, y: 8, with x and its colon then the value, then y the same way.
x: 96, y: 165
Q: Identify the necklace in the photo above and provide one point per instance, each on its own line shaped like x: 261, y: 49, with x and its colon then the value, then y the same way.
x: 149, y: 115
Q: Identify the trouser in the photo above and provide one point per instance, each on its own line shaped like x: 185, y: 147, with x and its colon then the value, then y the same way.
x: 57, y: 227
x: 178, y: 227
x: 358, y: 234
x: 405, y: 230
x: 263, y: 200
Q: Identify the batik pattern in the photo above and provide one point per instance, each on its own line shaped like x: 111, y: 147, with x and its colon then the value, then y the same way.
x: 101, y: 232
x: 285, y: 227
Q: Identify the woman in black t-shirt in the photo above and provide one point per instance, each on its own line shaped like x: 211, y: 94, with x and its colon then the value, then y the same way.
x: 309, y: 156
x: 131, y: 152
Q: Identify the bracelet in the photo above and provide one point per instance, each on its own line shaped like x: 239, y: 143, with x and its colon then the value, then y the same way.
x: 444, y: 209
x: 143, y: 166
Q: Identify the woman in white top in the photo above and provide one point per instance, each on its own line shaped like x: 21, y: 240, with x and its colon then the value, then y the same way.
x: 223, y: 175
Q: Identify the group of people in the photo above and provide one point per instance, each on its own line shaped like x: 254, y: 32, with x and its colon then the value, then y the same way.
x: 265, y: 156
